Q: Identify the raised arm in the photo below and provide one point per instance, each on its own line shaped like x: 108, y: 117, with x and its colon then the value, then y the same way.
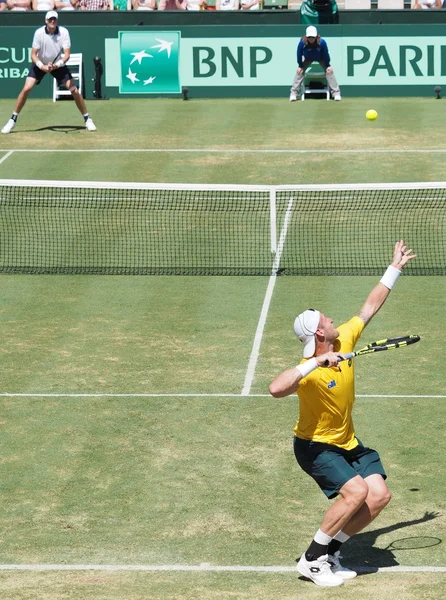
x: 379, y: 294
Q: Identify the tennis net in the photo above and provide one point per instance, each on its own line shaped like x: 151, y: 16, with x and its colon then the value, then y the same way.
x: 165, y: 229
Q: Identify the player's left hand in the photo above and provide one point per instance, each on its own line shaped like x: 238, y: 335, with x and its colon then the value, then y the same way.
x: 401, y: 255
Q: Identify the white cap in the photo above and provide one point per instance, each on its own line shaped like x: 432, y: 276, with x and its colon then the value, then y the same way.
x: 311, y: 31
x: 305, y: 327
x: 51, y: 14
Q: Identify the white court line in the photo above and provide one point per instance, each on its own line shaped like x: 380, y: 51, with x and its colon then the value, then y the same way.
x: 207, y: 567
x: 246, y: 150
x: 249, y: 377
x: 7, y: 155
x: 186, y: 395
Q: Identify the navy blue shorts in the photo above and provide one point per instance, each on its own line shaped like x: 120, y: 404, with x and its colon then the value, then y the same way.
x: 331, y: 467
x: 62, y: 74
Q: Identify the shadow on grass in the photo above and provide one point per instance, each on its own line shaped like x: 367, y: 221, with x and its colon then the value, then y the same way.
x: 55, y: 128
x: 361, y: 549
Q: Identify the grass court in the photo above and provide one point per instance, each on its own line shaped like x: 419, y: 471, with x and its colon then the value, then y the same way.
x: 135, y: 461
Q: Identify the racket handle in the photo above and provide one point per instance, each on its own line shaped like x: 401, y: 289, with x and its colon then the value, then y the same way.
x: 347, y: 356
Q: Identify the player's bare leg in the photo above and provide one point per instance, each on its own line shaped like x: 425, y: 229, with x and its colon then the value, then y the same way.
x: 30, y: 82
x: 80, y: 103
x: 378, y: 497
x: 353, y: 494
x: 316, y: 563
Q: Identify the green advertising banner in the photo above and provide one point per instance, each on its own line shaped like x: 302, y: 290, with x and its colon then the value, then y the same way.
x: 360, y: 61
x: 224, y: 61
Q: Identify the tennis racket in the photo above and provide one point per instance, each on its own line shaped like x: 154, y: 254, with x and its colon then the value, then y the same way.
x: 52, y: 63
x: 380, y: 345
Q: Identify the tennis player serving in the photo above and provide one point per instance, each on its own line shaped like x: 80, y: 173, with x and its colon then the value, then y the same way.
x: 325, y: 444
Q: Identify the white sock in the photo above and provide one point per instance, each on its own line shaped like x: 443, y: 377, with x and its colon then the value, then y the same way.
x: 322, y: 538
x: 341, y: 537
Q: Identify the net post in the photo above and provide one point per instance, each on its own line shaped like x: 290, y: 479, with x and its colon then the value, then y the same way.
x: 273, y: 222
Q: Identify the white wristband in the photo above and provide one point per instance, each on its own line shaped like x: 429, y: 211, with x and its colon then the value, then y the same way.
x: 306, y: 367
x: 60, y: 63
x: 39, y: 64
x: 390, y: 276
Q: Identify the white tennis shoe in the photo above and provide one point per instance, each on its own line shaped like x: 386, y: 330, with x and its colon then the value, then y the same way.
x: 319, y: 571
x: 90, y: 125
x: 337, y: 97
x: 338, y: 569
x: 293, y: 97
x: 9, y: 126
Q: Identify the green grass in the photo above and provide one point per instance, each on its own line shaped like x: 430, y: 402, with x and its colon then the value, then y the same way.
x: 189, y: 473
x: 228, y: 124
x: 199, y: 480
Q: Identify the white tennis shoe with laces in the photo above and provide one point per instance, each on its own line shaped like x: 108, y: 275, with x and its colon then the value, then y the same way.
x: 319, y: 571
x: 90, y: 125
x: 9, y: 126
x: 338, y: 569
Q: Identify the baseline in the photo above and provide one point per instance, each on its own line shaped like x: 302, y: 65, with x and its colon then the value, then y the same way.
x: 185, y: 395
x: 207, y: 567
x: 243, y: 150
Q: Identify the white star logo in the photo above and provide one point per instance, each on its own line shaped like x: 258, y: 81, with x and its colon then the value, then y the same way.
x: 163, y: 45
x: 132, y: 76
x: 150, y: 80
x: 139, y: 56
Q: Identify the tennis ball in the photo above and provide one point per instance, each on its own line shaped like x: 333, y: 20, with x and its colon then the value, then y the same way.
x: 371, y: 115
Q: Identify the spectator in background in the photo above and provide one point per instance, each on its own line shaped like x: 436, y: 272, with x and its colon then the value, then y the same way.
x: 167, y: 5
x: 19, y: 5
x: 3, y: 5
x: 191, y: 4
x: 65, y: 4
x: 312, y: 48
x: 122, y: 5
x: 144, y: 4
x: 227, y: 4
x: 427, y: 4
x: 43, y: 5
x: 95, y: 4
x: 251, y: 4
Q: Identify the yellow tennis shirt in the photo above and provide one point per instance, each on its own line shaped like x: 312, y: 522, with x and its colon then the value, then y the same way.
x: 327, y: 395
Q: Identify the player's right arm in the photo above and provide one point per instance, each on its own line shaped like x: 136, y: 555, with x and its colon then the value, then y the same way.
x: 288, y: 381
